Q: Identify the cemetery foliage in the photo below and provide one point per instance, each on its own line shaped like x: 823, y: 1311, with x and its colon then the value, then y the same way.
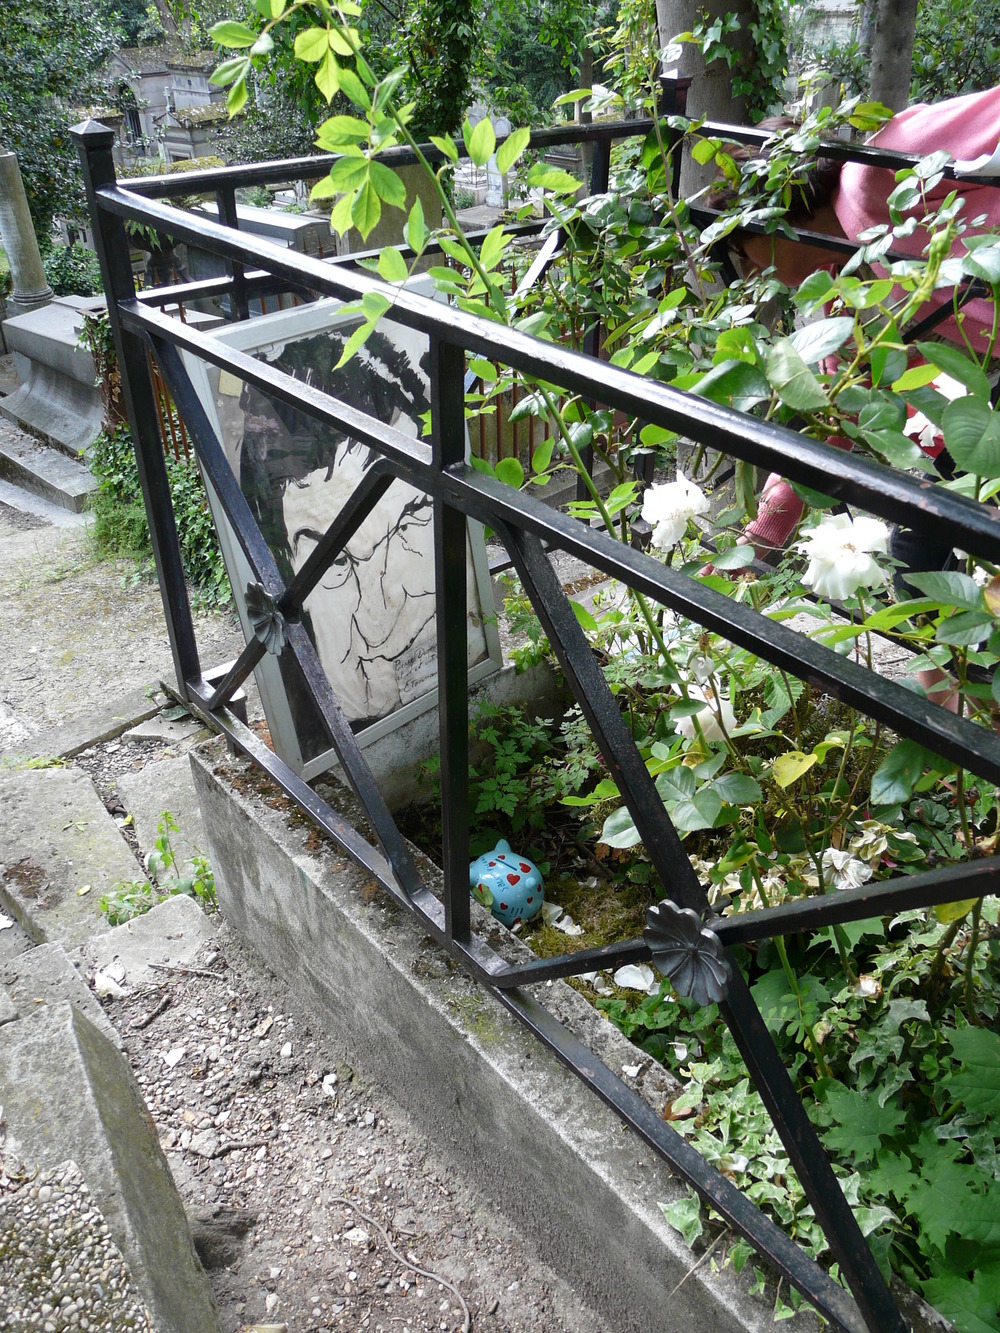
x: 955, y: 50
x: 888, y: 1026
x: 51, y: 58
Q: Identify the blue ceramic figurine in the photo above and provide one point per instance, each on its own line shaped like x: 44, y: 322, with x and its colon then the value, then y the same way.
x: 511, y: 886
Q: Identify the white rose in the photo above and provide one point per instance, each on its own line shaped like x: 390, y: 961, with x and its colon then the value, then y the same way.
x: 669, y: 506
x: 714, y: 714
x: 845, y: 871
x: 839, y: 551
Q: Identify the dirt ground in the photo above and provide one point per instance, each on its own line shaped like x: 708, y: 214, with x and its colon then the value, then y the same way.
x: 316, y: 1205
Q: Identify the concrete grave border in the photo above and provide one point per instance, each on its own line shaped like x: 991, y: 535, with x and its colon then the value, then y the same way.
x: 541, y: 1148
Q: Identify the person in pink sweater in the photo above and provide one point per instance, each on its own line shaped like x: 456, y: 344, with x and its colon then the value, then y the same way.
x: 846, y: 203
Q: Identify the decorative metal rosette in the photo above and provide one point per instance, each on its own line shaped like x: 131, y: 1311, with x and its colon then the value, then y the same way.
x: 269, y: 624
x: 686, y: 952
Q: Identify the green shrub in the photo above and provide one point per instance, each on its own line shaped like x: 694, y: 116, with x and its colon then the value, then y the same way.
x: 73, y: 270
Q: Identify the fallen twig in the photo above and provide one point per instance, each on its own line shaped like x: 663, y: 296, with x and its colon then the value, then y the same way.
x: 225, y: 1148
x: 146, y: 1019
x: 189, y: 971
x: 714, y: 1245
x: 431, y: 1277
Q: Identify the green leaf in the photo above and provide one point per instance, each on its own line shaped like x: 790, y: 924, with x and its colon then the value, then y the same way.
x: 347, y: 173
x: 312, y: 44
x: 388, y: 185
x: 480, y: 140
x: 340, y: 218
x: 985, y: 264
x: 887, y: 363
x: 340, y: 43
x: 948, y: 912
x: 510, y: 471
x: 698, y: 812
x: 542, y: 455
x: 737, y: 383
x: 228, y: 70
x: 340, y: 129
x: 792, y: 379
x: 236, y: 98
x: 860, y: 1123
x: 972, y: 434
x: 963, y: 1302
x: 446, y: 146
x: 899, y: 772
x: 584, y: 618
x: 416, y: 227
x: 915, y: 378
x: 357, y: 339
x: 703, y: 150
x: 543, y: 177
x: 737, y: 789
x: 684, y: 1215
x: 493, y: 248
x: 230, y: 33
x: 946, y: 1203
x: 977, y: 1082
x: 374, y: 305
x: 327, y: 77
x: 965, y: 629
x: 820, y: 339
x: 604, y: 791
x: 736, y: 557
x: 652, y: 435
x: 949, y: 588
x: 958, y: 366
x: 366, y: 209
x: 788, y: 768
x: 619, y: 830
x: 354, y: 89
x: 815, y: 288
x: 511, y: 149
x: 387, y: 87
x: 392, y: 265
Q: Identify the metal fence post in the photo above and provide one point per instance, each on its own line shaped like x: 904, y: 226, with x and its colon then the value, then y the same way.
x: 447, y: 373
x: 94, y: 142
x: 226, y: 200
x: 673, y: 102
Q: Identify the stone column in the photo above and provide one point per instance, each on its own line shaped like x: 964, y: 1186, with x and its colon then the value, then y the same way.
x: 31, y: 288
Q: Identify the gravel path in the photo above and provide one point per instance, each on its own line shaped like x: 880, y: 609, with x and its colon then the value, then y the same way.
x: 59, y: 1268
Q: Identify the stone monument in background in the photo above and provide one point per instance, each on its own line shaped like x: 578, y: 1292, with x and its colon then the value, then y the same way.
x: 17, y: 234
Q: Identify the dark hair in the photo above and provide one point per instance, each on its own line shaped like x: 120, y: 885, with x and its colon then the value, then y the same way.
x: 813, y: 186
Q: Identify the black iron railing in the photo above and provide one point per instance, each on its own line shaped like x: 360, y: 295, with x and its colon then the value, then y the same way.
x: 527, y: 527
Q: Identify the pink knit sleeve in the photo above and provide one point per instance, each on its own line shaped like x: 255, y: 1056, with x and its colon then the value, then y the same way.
x: 778, y: 511
x: 966, y: 127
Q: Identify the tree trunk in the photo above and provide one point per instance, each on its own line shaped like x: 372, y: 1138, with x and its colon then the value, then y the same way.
x: 892, y: 52
x: 711, y: 92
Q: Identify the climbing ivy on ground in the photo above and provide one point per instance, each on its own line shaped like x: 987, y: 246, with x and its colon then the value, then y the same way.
x: 120, y: 527
x: 907, y: 1101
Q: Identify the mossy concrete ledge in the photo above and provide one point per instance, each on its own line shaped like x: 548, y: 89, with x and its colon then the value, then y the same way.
x: 539, y: 1146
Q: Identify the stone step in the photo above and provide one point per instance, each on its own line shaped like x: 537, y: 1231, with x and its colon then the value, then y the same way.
x: 44, y: 471
x: 58, y: 400
x: 60, y: 851
x: 36, y: 510
x: 68, y: 1095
